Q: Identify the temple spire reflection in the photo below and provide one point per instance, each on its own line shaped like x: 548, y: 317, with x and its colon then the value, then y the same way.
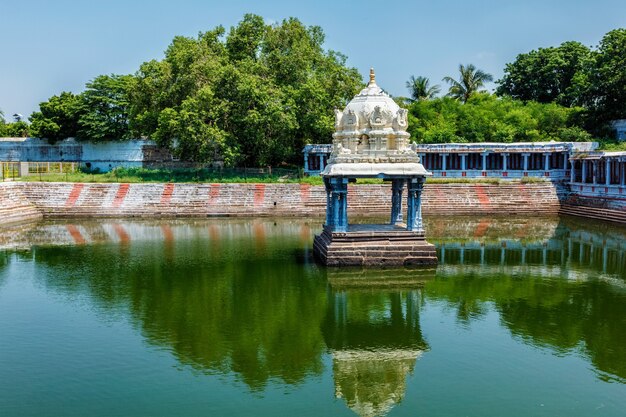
x: 373, y: 332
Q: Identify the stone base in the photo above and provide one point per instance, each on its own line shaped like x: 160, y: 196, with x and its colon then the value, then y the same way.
x: 373, y: 245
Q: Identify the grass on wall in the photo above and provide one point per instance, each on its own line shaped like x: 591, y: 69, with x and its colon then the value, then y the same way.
x: 143, y: 175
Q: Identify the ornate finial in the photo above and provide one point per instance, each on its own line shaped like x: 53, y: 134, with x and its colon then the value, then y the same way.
x: 372, y: 77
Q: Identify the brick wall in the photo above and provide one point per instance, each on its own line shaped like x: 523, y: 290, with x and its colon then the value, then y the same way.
x: 14, y: 206
x: 171, y: 200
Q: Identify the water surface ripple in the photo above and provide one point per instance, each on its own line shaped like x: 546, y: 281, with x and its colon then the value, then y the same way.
x: 523, y: 316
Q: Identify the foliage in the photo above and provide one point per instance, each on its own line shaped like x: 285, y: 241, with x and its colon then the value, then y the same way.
x: 548, y: 75
x: 18, y: 129
x: 574, y: 75
x: 486, y: 118
x: 420, y: 88
x: 100, y: 113
x: 471, y: 81
x: 612, y: 145
x: 105, y: 108
x: 15, y: 129
x: 58, y: 117
x: 180, y: 175
x: 254, y: 98
x: 608, y: 79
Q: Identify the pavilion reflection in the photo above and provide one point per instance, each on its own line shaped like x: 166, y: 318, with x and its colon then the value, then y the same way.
x: 221, y: 303
x: 372, y: 330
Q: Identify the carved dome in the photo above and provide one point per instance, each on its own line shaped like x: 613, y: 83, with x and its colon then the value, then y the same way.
x: 370, y: 138
x: 371, y: 109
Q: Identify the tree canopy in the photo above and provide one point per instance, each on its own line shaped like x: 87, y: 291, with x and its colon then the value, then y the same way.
x: 420, y: 88
x: 547, y: 75
x: 486, y: 118
x: 253, y: 96
x: 57, y: 118
x: 256, y: 93
x: 574, y: 75
x: 606, y: 95
x: 19, y: 128
x: 471, y: 81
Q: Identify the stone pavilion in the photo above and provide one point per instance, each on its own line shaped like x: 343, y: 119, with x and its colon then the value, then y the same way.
x: 371, y: 141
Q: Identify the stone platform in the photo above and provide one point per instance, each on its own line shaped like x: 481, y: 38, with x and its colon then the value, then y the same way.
x: 374, y: 245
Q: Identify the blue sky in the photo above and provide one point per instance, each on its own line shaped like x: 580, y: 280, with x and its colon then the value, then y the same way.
x: 52, y: 46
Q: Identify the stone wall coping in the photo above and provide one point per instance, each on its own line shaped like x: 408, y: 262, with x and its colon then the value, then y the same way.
x: 599, y: 155
x: 508, y: 147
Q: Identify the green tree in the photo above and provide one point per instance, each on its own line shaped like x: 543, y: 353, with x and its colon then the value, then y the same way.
x: 16, y: 129
x: 58, y: 117
x: 555, y: 74
x: 253, y: 98
x: 471, y: 81
x: 105, y: 108
x: 487, y: 118
x: 608, y: 79
x: 420, y: 88
x: 244, y: 40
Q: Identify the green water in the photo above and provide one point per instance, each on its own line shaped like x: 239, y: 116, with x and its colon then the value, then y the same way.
x: 524, y: 317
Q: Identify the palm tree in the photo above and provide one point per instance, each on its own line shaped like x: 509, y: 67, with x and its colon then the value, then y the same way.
x: 471, y: 81
x: 420, y: 88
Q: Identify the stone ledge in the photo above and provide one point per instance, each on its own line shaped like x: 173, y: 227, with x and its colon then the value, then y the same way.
x: 375, y: 249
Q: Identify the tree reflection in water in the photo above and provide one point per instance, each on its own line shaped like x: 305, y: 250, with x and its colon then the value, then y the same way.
x: 241, y: 296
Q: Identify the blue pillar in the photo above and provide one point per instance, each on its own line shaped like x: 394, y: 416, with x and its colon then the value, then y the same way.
x: 343, y: 208
x: 396, y: 201
x: 337, y: 204
x: 329, y: 207
x: 414, y: 204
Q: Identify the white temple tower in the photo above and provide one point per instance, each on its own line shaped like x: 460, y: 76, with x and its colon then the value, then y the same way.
x: 371, y: 141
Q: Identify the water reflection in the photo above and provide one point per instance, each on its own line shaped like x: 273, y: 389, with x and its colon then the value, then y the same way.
x: 374, y: 335
x: 569, y: 251
x: 228, y: 297
x: 257, y: 315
